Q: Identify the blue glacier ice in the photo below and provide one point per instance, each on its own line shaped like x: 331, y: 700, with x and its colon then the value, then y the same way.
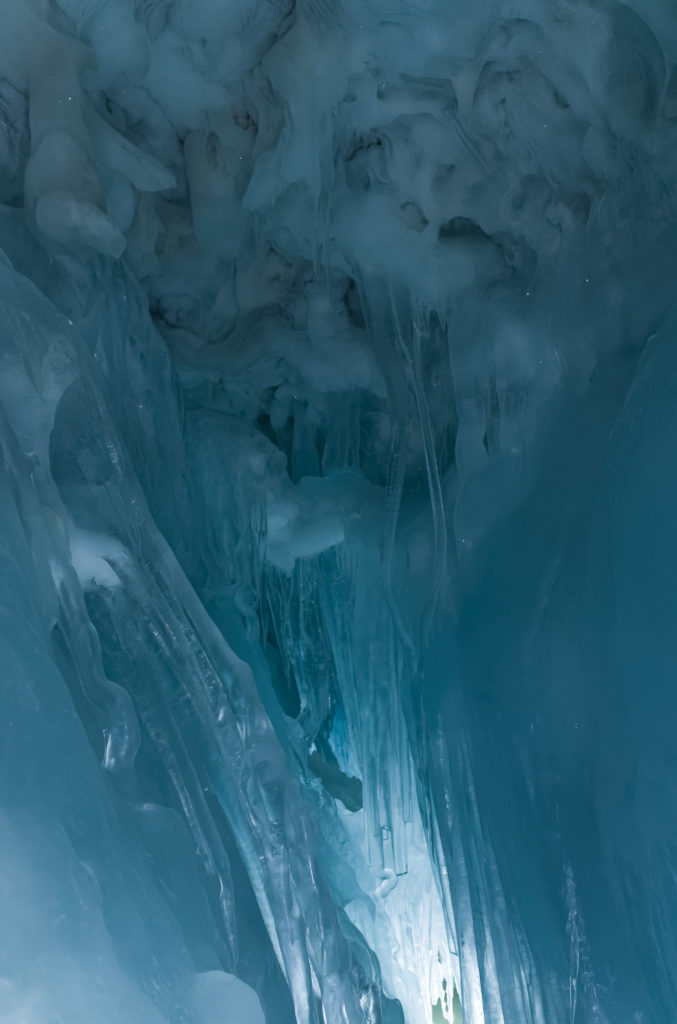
x: 338, y: 512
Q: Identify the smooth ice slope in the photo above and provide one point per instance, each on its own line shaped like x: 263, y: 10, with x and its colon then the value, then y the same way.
x: 337, y: 549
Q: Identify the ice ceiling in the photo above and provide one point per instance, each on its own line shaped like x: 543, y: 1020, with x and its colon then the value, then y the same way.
x: 338, y: 512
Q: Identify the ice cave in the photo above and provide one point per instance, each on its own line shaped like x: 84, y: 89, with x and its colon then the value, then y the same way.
x: 338, y: 512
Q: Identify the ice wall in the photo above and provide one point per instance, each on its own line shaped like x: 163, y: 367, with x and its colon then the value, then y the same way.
x: 337, y: 422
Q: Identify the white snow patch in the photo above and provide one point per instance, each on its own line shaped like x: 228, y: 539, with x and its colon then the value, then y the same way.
x: 93, y: 557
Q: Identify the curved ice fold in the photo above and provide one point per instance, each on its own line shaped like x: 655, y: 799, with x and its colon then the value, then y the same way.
x: 220, y: 997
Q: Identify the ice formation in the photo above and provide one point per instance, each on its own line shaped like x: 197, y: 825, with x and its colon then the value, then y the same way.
x: 338, y: 424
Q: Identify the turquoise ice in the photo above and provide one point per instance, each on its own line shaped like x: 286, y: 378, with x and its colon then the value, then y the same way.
x: 338, y: 508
